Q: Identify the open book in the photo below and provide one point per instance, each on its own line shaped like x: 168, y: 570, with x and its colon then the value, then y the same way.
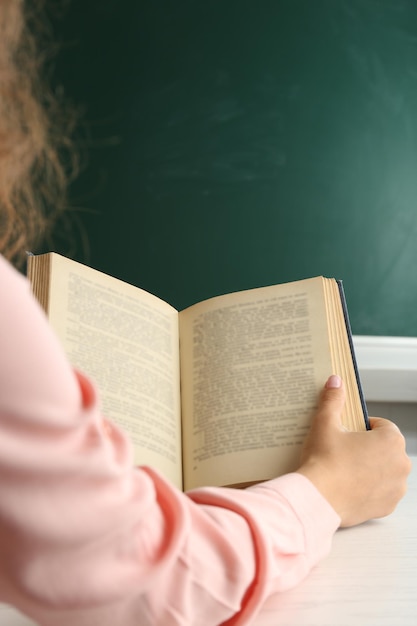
x: 220, y: 393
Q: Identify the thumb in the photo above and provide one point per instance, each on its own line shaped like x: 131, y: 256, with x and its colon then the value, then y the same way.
x: 326, y: 420
x: 331, y: 402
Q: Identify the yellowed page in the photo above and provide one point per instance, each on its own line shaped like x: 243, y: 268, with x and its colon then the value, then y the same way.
x: 252, y: 365
x: 352, y: 415
x: 126, y: 340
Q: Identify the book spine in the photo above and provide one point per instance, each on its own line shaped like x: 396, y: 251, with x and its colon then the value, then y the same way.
x: 352, y: 351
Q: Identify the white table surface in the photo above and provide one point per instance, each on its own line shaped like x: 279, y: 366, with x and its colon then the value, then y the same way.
x: 369, y: 579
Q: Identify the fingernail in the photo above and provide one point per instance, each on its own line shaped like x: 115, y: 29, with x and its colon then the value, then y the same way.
x: 333, y: 382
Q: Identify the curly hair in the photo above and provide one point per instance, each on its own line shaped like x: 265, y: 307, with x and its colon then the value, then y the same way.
x: 36, y: 152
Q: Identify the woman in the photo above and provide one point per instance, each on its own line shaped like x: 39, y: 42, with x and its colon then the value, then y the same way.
x: 87, y: 539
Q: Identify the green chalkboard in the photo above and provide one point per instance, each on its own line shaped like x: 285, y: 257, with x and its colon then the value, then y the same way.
x: 233, y: 144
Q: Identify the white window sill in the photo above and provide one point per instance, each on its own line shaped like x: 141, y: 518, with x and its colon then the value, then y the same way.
x: 387, y: 367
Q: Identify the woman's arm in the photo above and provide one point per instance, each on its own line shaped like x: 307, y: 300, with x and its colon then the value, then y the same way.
x: 87, y: 539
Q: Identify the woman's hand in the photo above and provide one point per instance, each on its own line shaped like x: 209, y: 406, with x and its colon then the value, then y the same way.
x: 362, y: 474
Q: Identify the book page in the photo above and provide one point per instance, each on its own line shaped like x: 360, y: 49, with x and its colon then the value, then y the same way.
x: 126, y: 340
x: 252, y: 365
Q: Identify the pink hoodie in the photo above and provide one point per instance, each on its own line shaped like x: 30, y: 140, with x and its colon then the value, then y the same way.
x: 87, y: 539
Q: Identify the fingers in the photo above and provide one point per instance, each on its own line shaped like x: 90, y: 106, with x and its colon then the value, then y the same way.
x: 385, y: 428
x: 379, y: 422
